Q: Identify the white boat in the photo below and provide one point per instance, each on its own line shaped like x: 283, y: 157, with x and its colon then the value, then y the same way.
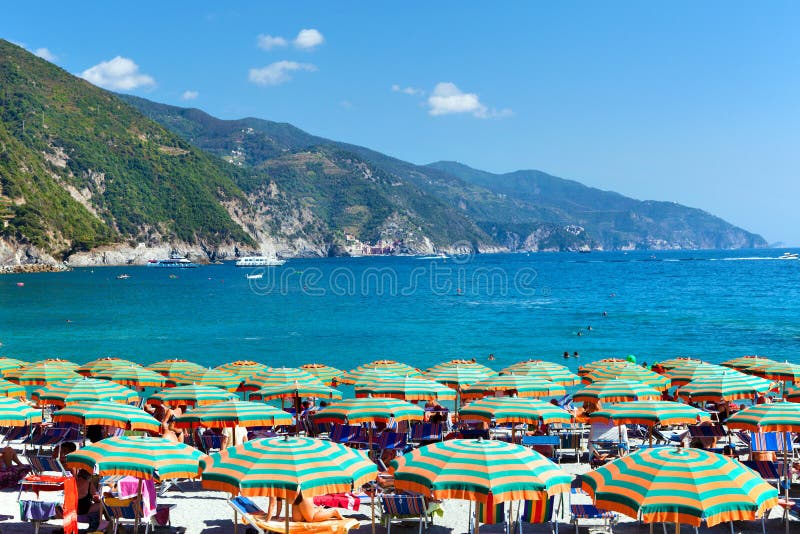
x: 256, y: 276
x: 259, y: 261
x: 123, y: 276
x: 175, y: 261
x: 789, y: 256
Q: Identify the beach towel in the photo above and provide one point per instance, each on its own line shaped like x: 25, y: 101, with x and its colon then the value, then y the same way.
x: 348, y: 501
x: 538, y: 511
x: 491, y: 512
x: 332, y: 526
x: 129, y: 487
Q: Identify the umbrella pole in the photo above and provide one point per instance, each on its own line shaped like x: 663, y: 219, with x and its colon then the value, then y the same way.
x: 286, y: 513
x: 677, y: 528
x: 650, y: 436
x: 374, y: 488
x: 788, y: 475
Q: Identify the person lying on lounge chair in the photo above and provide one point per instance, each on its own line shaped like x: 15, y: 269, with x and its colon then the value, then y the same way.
x: 302, y: 510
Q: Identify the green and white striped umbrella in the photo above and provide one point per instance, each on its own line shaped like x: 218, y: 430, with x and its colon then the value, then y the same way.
x: 680, y: 376
x: 616, y: 391
x: 83, y: 389
x: 650, y: 413
x: 406, y: 388
x: 479, y: 470
x: 10, y: 364
x: 174, y: 366
x: 628, y: 371
x: 10, y: 389
x: 108, y: 413
x: 132, y: 375
x: 291, y: 390
x: 141, y: 457
x: 283, y: 467
x: 515, y: 410
x: 680, y: 486
x: 770, y: 417
x: 325, y: 373
x: 234, y: 413
x: 544, y: 371
x: 731, y: 385
x: 277, y: 376
x: 680, y: 361
x: 742, y: 363
x: 40, y: 374
x: 511, y: 384
x: 191, y: 395
x: 102, y: 364
x: 793, y: 395
x: 456, y: 376
x: 369, y: 410
x: 391, y: 366
x: 781, y: 371
x: 461, y: 362
x: 208, y: 377
x: 362, y: 376
x: 243, y: 368
x: 584, y: 370
x: 15, y: 413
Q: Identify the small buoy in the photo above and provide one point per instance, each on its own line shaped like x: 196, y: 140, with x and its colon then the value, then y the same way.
x: 20, y: 284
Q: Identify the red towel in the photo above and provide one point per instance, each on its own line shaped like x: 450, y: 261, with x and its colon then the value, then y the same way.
x: 347, y: 501
x: 70, y: 506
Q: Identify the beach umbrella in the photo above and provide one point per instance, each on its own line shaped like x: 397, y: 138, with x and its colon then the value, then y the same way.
x: 102, y: 364
x: 277, y: 376
x: 485, y: 471
x: 650, y: 414
x: 544, y: 371
x: 10, y: 389
x: 191, y: 395
x: 680, y: 361
x: 407, y: 388
x: 680, y: 376
x: 234, y: 413
x: 40, y: 374
x: 325, y: 373
x: 208, y: 377
x: 680, y: 485
x: 456, y: 376
x: 511, y: 384
x: 83, y: 389
x: 132, y: 375
x: 138, y: 456
x: 286, y: 467
x: 391, y: 366
x: 243, y: 368
x: 10, y: 364
x: 785, y: 372
x: 628, y: 371
x: 730, y: 385
x: 108, y: 413
x: 616, y: 391
x: 174, y: 366
x: 793, y: 395
x: 743, y: 363
x: 15, y: 413
x: 515, y: 410
x: 296, y: 390
x: 599, y: 364
x: 362, y: 376
x: 771, y: 417
x: 461, y: 362
x: 369, y: 410
x: 59, y: 361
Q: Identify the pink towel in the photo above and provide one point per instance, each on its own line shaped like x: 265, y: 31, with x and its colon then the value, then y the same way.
x: 338, y: 500
x: 129, y: 487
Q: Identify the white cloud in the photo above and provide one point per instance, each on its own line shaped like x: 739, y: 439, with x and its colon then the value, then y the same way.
x: 45, y: 54
x: 119, y: 73
x: 278, y: 72
x: 190, y: 95
x: 413, y: 91
x: 308, y: 39
x: 268, y: 42
x: 447, y: 99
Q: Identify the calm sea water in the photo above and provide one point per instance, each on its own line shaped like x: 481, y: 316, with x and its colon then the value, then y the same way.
x: 712, y: 305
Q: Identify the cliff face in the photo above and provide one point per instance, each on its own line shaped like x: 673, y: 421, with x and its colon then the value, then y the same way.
x: 92, y: 178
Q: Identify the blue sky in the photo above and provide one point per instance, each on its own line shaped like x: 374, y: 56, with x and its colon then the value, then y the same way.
x: 698, y: 104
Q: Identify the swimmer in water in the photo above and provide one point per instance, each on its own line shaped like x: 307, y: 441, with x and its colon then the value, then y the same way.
x: 589, y: 328
x: 575, y: 354
x: 580, y: 333
x: 566, y: 355
x: 605, y: 314
x: 491, y: 357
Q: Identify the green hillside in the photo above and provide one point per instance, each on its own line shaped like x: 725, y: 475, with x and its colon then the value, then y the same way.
x: 131, y: 178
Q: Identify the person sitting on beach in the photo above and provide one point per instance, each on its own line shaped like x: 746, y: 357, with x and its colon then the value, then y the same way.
x: 306, y: 510
x: 9, y: 459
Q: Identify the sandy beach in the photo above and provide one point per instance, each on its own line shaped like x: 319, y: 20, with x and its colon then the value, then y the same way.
x: 199, y: 511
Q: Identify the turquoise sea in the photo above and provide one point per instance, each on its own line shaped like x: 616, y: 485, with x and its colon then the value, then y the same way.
x: 345, y: 311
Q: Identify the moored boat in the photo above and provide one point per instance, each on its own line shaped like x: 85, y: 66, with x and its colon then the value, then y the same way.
x: 175, y: 261
x: 259, y: 261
